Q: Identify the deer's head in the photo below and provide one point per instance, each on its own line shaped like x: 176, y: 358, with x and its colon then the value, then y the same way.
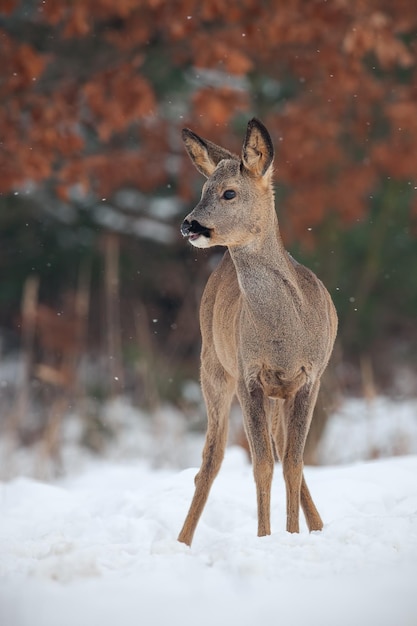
x: 237, y: 196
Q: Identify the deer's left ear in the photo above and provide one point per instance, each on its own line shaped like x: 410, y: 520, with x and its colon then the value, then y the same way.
x: 257, y: 151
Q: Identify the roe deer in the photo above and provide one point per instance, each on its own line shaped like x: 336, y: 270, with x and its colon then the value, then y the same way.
x: 268, y: 326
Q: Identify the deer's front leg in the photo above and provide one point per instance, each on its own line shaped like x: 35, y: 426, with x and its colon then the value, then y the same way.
x: 218, y: 391
x: 313, y: 519
x: 253, y: 405
x: 298, y: 414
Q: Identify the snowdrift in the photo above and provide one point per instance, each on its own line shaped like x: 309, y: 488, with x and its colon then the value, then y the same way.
x: 100, y: 549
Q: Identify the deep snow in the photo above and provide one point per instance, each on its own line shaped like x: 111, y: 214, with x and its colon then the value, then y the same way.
x: 99, y: 548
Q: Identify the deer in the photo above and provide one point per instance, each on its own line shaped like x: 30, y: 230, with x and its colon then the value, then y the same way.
x: 268, y: 327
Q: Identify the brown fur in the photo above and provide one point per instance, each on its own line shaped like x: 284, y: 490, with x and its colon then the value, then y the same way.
x: 268, y: 326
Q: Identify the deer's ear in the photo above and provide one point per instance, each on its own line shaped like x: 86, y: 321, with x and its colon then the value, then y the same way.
x: 204, y: 154
x: 257, y: 151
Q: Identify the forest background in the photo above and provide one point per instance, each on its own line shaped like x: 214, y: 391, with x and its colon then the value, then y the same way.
x: 98, y: 292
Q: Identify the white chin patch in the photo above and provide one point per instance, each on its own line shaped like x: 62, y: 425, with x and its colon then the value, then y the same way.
x: 200, y: 242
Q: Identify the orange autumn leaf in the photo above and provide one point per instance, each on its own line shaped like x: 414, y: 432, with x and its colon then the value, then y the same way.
x: 218, y: 106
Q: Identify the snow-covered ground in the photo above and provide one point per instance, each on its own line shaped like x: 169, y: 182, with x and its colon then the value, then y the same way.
x: 366, y: 430
x: 98, y: 546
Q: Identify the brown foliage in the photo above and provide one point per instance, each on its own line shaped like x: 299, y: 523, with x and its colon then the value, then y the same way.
x: 218, y: 106
x: 84, y: 104
x: 114, y: 114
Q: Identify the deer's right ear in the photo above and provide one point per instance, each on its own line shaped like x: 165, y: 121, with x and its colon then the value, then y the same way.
x: 204, y: 154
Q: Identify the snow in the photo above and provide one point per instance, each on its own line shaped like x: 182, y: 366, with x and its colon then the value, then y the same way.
x: 98, y: 547
x: 364, y: 430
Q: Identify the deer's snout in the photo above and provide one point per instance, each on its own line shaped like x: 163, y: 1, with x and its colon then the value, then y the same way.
x: 185, y: 228
x: 194, y: 229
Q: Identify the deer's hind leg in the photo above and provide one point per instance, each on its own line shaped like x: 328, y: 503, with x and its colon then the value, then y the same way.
x: 218, y: 390
x: 290, y: 425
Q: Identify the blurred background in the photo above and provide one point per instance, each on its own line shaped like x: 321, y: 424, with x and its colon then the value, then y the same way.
x: 99, y: 294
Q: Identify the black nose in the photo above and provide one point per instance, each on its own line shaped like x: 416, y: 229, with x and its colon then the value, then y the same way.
x: 185, y: 228
x: 194, y: 228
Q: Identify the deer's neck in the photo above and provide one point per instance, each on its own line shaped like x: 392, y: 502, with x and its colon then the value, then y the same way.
x: 267, y: 278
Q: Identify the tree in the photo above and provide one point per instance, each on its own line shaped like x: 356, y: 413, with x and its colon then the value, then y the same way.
x: 95, y: 94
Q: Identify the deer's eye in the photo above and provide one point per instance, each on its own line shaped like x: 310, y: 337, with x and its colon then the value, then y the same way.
x: 229, y: 194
